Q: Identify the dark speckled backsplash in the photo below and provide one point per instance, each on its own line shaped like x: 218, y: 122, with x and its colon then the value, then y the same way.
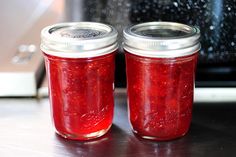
x: 215, y: 18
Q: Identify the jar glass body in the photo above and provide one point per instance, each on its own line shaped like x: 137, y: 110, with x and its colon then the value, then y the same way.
x: 81, y: 95
x: 160, y: 95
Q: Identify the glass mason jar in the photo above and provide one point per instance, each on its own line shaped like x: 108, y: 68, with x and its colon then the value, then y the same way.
x: 79, y: 59
x: 161, y: 60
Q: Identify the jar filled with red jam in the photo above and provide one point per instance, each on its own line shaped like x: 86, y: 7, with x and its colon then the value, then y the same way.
x: 79, y: 59
x: 161, y: 60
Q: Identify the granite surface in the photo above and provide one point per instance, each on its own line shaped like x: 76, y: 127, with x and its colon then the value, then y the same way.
x: 215, y: 18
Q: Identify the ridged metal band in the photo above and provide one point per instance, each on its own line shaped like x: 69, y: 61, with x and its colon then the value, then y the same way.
x: 78, y: 39
x: 183, y: 41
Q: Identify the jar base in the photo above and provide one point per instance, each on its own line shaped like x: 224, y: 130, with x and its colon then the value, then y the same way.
x: 85, y: 137
x: 158, y: 138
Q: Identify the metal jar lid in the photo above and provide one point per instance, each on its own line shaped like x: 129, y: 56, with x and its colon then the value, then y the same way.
x: 78, y: 39
x: 161, y: 39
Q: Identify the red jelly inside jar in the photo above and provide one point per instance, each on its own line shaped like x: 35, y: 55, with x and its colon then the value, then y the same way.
x: 81, y: 81
x: 160, y: 79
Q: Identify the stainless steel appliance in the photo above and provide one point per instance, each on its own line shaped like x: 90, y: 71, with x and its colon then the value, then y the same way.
x: 21, y: 62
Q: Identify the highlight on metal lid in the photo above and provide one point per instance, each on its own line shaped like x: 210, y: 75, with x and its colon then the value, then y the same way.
x: 79, y: 39
x: 162, y: 39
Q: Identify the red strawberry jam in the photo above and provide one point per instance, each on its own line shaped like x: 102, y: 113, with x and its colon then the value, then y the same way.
x: 81, y: 94
x: 79, y: 59
x: 160, y: 94
x: 161, y: 60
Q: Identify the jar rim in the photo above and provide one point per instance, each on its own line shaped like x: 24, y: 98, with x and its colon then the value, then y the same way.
x: 161, y: 39
x: 79, y: 39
